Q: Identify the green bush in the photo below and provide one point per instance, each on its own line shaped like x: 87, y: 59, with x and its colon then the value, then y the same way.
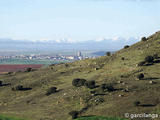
x: 1, y: 83
x: 29, y: 69
x: 155, y: 56
x: 74, y: 114
x: 136, y: 103
x: 122, y: 58
x: 149, y: 59
x: 90, y: 84
x: 144, y: 39
x: 108, y: 53
x: 127, y: 46
x: 9, y: 73
x: 78, y: 82
x: 51, y: 90
x: 140, y: 76
x: 18, y: 87
x: 141, y: 63
x: 108, y: 87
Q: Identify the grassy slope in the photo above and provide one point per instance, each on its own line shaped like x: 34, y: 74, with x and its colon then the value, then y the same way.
x: 98, y: 118
x: 34, y: 105
x: 9, y: 118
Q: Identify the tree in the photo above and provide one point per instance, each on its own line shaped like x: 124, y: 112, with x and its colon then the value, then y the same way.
x: 74, y: 114
x: 136, y: 103
x: 78, y: 82
x: 108, y: 53
x: 144, y: 39
x: 51, y: 90
x: 149, y: 59
x: 127, y: 46
x: 90, y: 84
x: 140, y: 76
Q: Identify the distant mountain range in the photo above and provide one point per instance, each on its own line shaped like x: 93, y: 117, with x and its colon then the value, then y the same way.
x: 102, y: 45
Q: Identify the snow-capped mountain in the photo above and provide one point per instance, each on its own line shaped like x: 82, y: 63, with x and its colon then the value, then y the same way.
x: 66, y: 44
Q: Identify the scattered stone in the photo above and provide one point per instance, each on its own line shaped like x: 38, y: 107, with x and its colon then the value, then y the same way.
x: 120, y: 95
x: 126, y: 90
x: 99, y: 100
x: 152, y: 82
x: 123, y: 83
x: 93, y: 93
x: 119, y: 82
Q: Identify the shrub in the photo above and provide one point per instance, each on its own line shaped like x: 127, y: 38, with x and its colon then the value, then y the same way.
x: 90, y: 84
x: 84, y: 109
x: 149, y: 59
x: 18, y: 87
x: 0, y: 83
x: 10, y: 73
x: 155, y: 56
x: 122, y: 58
x: 108, y: 53
x: 136, y: 103
x: 29, y: 69
x: 140, y: 76
x: 127, y: 46
x: 108, y: 87
x: 78, y: 82
x: 51, y: 90
x: 144, y: 39
x: 74, y: 114
x: 141, y: 63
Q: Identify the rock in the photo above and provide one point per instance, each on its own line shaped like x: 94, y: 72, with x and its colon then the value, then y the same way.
x: 152, y: 82
x: 119, y: 82
x: 120, y: 95
x: 126, y: 90
x: 99, y: 100
x: 123, y: 83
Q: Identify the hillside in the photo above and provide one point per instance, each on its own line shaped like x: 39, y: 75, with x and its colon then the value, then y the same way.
x: 120, y: 70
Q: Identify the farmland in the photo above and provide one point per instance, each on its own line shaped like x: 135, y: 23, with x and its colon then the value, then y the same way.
x: 25, y: 61
x: 14, y: 68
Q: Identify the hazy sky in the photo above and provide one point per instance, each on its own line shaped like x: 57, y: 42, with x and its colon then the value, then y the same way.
x: 78, y: 19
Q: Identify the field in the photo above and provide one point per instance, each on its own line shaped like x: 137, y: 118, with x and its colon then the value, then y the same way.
x: 16, y: 68
x: 24, y: 61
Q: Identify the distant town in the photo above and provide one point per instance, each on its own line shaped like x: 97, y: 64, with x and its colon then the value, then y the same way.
x: 79, y: 56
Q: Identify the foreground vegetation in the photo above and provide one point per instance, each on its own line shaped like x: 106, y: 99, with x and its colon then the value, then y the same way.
x: 124, y: 82
x: 98, y: 118
x: 9, y: 118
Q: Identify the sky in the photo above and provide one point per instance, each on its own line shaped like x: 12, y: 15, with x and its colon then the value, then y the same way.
x: 78, y: 20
